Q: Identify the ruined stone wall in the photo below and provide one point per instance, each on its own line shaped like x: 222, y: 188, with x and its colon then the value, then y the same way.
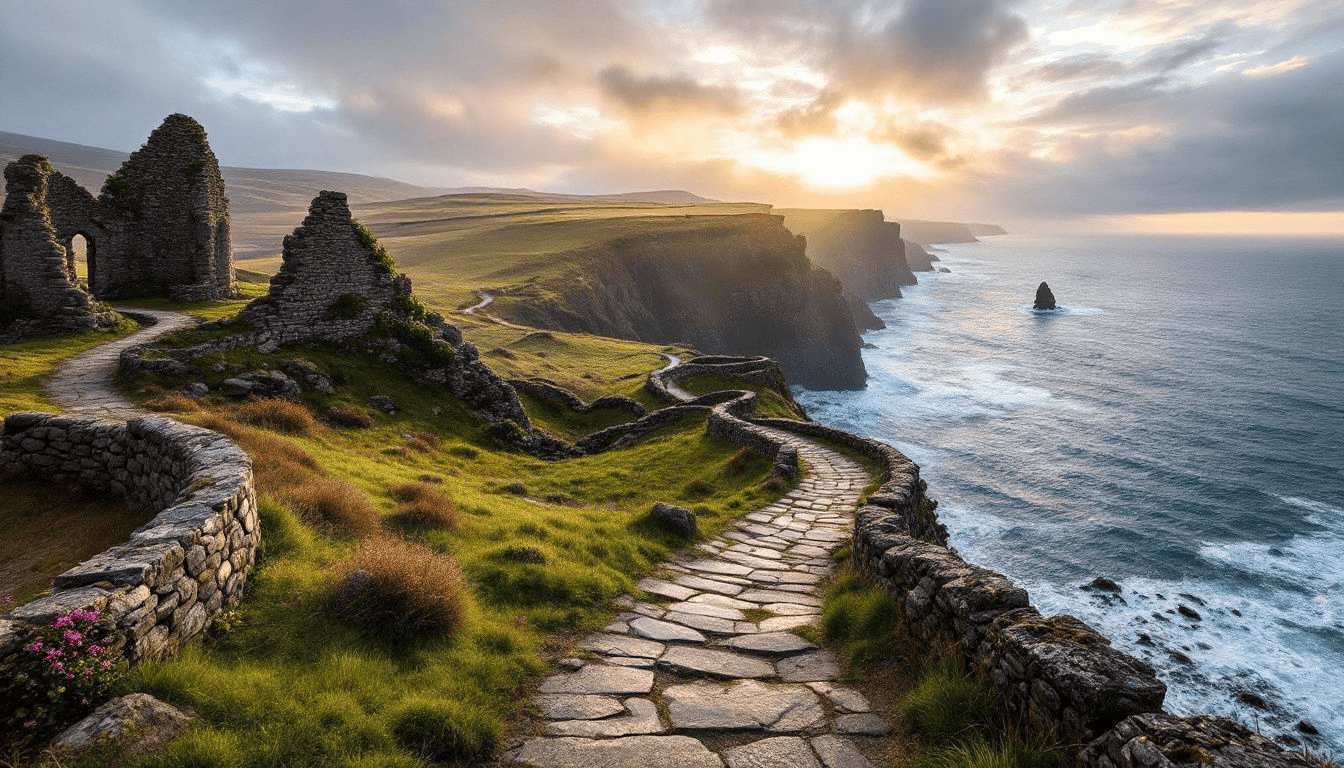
x: 72, y: 209
x: 166, y: 584
x: 38, y: 291
x: 164, y: 220
x: 332, y: 283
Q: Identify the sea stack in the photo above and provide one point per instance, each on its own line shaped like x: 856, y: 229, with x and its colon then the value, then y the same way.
x: 1044, y: 298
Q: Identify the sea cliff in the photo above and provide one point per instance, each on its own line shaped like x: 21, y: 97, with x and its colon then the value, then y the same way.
x: 724, y: 284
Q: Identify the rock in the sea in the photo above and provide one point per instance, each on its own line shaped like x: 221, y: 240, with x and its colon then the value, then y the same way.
x: 1044, y: 298
x: 1102, y: 583
x: 677, y: 519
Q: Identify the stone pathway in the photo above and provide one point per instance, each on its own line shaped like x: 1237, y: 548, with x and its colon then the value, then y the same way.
x: 708, y: 673
x: 86, y: 385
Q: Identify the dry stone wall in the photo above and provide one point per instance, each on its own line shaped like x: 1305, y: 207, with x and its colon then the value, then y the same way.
x: 165, y: 585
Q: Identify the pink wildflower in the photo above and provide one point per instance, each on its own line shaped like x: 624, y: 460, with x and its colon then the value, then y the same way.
x: 73, y: 637
x: 95, y: 649
x: 63, y: 621
x: 106, y: 664
x: 34, y: 647
x: 85, y: 615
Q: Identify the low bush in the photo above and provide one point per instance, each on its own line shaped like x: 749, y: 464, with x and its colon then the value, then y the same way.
x: 59, y: 672
x: 401, y: 590
x: 739, y: 462
x: 336, y: 506
x: 278, y: 415
x: 348, y: 416
x: 424, y: 506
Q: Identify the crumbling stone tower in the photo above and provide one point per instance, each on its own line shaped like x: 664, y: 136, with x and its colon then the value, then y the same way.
x: 333, y: 282
x: 39, y: 292
x: 162, y: 221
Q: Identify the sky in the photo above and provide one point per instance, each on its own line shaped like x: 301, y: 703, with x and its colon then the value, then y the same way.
x: 1170, y: 115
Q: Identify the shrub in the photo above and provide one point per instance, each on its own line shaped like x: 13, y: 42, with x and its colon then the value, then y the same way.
x: 947, y: 706
x: 443, y: 730
x: 423, y: 506
x: 59, y: 672
x: 516, y: 488
x: 347, y: 306
x: 401, y: 590
x: 348, y: 416
x: 335, y: 505
x: 279, y: 415
x: 696, y: 487
x: 738, y: 462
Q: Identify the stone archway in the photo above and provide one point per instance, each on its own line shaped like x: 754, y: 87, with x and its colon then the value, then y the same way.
x: 81, y: 258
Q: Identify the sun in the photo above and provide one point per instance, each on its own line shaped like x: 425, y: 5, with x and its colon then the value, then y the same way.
x: 850, y: 162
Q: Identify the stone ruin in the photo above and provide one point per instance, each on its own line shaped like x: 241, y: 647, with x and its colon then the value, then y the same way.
x: 39, y: 292
x: 160, y: 227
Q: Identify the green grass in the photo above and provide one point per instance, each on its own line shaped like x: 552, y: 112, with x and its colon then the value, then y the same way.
x: 769, y: 403
x: 860, y: 620
x: 26, y: 364
x: 202, y: 310
x: 296, y: 685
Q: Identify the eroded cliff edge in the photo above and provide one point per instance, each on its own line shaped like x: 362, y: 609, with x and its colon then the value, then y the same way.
x: 724, y: 284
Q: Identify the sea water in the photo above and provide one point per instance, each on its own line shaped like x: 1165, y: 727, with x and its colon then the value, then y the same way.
x: 1176, y: 425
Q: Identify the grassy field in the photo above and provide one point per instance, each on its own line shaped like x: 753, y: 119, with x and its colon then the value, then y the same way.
x: 24, y: 366
x: 455, y: 244
x: 544, y: 548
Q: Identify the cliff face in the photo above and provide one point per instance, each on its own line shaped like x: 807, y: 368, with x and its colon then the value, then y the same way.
x: 724, y: 284
x: 862, y: 249
x: 919, y: 259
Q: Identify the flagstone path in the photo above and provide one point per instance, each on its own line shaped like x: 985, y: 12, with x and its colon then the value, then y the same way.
x: 86, y: 383
x: 707, y: 672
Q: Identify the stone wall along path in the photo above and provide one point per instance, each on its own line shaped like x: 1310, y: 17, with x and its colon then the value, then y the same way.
x: 85, y: 385
x: 701, y: 679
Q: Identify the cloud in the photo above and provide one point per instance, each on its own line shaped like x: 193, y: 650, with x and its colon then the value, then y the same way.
x: 1269, y: 70
x: 678, y: 93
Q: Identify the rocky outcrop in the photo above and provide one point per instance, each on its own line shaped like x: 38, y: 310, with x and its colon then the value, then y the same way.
x: 919, y: 259
x: 165, y: 221
x: 1044, y: 298
x: 39, y: 292
x: 862, y: 249
x: 725, y: 284
x: 1167, y: 741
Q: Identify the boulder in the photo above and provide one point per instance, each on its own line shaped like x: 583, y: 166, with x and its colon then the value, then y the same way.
x: 1044, y: 298
x: 679, y: 520
x: 138, y: 718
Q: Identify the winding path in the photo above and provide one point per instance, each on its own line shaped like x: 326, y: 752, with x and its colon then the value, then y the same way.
x: 86, y: 383
x: 707, y: 673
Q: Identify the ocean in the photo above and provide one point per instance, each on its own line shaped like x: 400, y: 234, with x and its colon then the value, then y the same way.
x: 1177, y: 426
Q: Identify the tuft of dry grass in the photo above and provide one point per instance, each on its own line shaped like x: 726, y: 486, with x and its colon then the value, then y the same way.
x: 348, y: 416
x: 336, y: 506
x: 173, y: 403
x: 401, y: 590
x: 738, y: 462
x: 278, y: 464
x: 424, y: 506
x: 278, y: 415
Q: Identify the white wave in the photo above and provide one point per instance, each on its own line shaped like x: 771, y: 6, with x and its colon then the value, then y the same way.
x: 1059, y: 311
